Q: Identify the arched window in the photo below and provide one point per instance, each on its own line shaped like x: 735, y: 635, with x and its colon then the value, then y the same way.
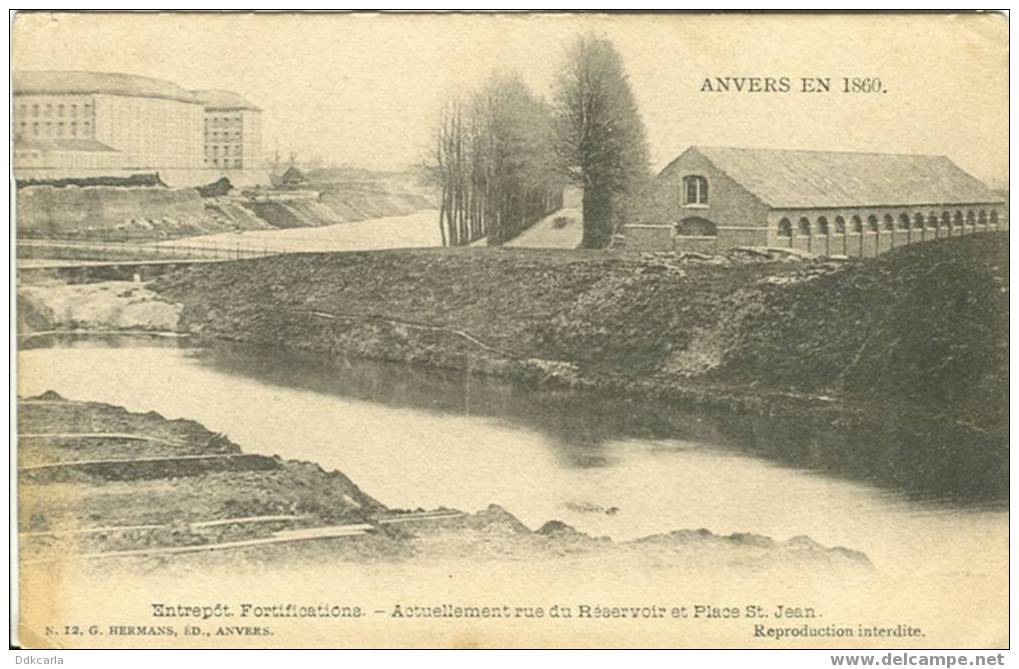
x: 994, y: 217
x: 957, y: 221
x: 803, y: 227
x: 840, y: 225
x: 785, y: 228
x: 872, y: 223
x: 904, y: 222
x: 822, y: 226
x: 983, y: 217
x: 918, y: 222
x: 889, y: 222
x: 695, y: 190
x: 696, y: 227
x: 971, y: 218
x: 857, y: 224
x: 946, y: 219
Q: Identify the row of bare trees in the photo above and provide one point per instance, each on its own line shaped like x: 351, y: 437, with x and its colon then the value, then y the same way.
x: 502, y: 155
x: 493, y: 159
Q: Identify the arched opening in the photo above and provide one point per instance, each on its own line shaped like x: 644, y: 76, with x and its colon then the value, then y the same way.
x: 971, y: 218
x: 840, y: 225
x: 785, y: 228
x: 982, y: 218
x: 803, y: 227
x: 957, y: 222
x: 904, y: 222
x: 824, y: 230
x: 857, y: 224
x: 994, y: 217
x: 696, y: 227
x: 918, y: 222
x: 872, y: 223
x: 888, y: 223
x: 946, y: 220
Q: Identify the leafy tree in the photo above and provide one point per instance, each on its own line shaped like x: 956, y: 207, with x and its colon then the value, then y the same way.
x: 600, y: 140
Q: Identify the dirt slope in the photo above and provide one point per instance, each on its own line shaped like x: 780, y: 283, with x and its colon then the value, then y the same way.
x: 924, y: 326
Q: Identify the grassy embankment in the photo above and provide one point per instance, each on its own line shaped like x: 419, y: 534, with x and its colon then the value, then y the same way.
x: 919, y: 333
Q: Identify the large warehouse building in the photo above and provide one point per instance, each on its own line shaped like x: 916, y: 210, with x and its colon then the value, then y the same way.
x: 831, y: 203
x: 81, y: 124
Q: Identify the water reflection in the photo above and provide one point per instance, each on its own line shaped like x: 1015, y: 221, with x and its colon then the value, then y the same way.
x: 939, y: 466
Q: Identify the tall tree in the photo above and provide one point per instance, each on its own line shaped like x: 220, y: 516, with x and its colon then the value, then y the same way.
x: 600, y: 140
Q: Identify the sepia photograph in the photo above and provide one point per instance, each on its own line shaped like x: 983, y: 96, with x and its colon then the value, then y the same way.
x: 505, y: 330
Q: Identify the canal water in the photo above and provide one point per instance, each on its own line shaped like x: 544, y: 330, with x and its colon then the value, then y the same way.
x: 413, y: 437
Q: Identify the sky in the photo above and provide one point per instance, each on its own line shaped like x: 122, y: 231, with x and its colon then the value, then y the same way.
x: 365, y: 89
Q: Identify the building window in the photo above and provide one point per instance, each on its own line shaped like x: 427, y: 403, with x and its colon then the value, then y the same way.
x: 785, y: 228
x: 918, y: 223
x: 35, y: 110
x: 994, y: 217
x: 904, y: 222
x: 803, y: 227
x: 695, y: 190
x: 946, y: 219
x: 983, y: 217
x: 889, y: 222
x: 857, y: 225
x: 971, y: 218
x: 840, y: 225
x: 822, y: 226
x: 872, y: 223
x: 74, y: 129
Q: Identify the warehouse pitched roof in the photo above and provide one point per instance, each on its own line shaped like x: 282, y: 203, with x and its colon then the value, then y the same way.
x: 819, y: 179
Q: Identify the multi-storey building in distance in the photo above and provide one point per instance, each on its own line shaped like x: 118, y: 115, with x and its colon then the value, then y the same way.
x: 74, y: 124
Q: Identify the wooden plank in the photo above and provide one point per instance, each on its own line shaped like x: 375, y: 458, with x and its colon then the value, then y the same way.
x: 291, y: 536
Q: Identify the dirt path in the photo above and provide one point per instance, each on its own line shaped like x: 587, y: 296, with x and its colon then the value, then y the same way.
x: 560, y: 230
